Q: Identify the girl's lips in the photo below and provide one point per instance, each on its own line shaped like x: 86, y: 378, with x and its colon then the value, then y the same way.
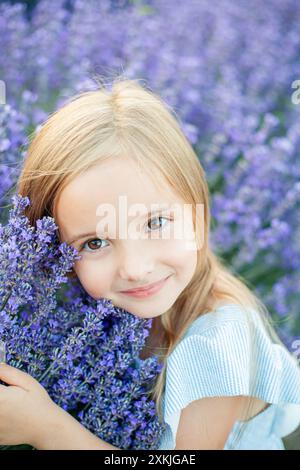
x: 145, y: 292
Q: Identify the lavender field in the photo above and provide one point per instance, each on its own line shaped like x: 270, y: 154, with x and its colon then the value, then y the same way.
x: 226, y: 67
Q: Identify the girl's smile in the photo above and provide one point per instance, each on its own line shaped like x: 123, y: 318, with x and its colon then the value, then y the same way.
x: 146, y: 292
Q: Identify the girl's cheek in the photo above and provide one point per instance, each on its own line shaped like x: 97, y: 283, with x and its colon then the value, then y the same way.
x: 180, y: 252
x: 184, y: 261
x: 95, y: 277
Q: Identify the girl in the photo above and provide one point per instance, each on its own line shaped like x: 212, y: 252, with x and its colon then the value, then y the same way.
x: 228, y: 382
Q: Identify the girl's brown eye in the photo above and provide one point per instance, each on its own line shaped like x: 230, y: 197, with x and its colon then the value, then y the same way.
x: 97, y: 248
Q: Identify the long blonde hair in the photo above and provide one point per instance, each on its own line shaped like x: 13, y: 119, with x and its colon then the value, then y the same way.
x: 131, y: 119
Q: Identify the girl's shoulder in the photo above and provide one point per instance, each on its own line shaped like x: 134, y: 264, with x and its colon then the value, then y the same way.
x: 221, y: 315
x: 224, y: 351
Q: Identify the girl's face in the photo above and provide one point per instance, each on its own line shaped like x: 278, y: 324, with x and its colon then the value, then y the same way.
x: 103, y: 214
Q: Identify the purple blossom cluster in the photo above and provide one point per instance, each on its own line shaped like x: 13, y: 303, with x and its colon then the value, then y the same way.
x: 256, y: 216
x: 13, y: 142
x: 85, y: 352
x: 226, y: 69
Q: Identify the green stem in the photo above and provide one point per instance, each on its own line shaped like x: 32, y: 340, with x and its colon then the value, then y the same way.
x: 6, y: 299
x: 48, y: 370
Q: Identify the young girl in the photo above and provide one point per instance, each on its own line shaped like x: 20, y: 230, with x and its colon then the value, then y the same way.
x: 228, y: 382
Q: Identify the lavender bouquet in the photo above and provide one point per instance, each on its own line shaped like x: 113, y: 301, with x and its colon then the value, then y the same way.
x: 85, y: 352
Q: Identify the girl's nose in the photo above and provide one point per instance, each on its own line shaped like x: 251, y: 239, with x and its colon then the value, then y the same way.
x: 136, y: 264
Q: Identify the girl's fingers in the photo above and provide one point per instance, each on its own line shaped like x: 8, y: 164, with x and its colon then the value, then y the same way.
x: 13, y: 376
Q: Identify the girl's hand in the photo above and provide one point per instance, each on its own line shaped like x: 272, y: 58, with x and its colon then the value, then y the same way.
x: 25, y: 407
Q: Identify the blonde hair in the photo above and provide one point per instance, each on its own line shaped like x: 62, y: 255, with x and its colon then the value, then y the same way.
x: 132, y: 120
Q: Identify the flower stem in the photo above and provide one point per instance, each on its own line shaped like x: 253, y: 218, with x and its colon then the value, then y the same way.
x: 6, y: 299
x: 48, y: 370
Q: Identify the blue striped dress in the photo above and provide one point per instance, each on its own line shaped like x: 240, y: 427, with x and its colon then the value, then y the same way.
x: 213, y: 359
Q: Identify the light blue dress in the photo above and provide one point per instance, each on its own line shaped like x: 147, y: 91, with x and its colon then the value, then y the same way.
x: 213, y: 359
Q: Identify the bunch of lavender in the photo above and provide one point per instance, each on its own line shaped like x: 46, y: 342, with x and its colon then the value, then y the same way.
x: 102, y: 374
x: 85, y: 352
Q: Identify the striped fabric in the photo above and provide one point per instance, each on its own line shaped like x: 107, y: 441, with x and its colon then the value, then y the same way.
x: 214, y: 358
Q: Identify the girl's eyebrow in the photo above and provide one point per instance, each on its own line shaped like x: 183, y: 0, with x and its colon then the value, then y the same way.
x: 83, y: 235
x: 80, y: 237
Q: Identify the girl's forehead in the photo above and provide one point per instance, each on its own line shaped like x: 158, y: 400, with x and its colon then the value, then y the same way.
x: 107, y: 181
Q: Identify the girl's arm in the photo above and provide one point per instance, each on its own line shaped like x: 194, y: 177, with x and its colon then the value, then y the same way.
x: 206, y: 423
x: 63, y: 432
